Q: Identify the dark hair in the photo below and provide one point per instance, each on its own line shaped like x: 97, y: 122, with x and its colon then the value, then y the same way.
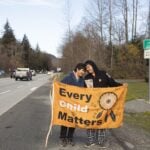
x: 92, y: 63
x: 79, y: 66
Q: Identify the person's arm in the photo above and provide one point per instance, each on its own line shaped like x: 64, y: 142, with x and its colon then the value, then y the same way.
x: 111, y: 81
x: 65, y: 80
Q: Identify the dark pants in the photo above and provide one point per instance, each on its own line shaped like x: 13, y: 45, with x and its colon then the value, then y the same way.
x: 66, y: 132
x: 96, y: 135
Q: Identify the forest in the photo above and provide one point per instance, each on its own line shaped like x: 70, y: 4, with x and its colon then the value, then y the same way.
x: 111, y: 34
x: 15, y: 53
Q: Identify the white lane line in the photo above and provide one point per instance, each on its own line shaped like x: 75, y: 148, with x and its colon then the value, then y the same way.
x: 33, y: 89
x: 5, y: 92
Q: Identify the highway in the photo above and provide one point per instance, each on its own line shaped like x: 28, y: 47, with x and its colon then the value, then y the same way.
x: 12, y: 92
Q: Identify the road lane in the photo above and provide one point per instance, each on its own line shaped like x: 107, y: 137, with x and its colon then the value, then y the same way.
x: 4, y: 92
x: 12, y: 92
x: 24, y: 126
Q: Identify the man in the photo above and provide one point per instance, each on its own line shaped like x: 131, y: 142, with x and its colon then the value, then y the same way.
x: 74, y: 78
x: 102, y: 79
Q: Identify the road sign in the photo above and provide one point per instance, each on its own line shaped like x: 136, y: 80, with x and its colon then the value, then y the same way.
x: 146, y: 44
x: 147, y: 53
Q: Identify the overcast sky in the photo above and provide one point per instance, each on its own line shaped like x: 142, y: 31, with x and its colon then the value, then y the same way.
x: 43, y: 21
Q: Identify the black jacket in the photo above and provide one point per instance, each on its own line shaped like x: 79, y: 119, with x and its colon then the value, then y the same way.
x: 101, y: 78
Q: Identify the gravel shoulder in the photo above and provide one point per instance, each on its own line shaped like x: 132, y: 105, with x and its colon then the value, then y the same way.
x: 130, y: 136
x: 137, y: 106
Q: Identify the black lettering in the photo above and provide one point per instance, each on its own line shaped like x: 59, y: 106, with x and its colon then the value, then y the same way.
x: 99, y: 122
x: 62, y: 92
x: 70, y: 119
x: 65, y: 93
x: 81, y: 96
x: 93, y: 122
x: 62, y: 116
x: 81, y: 121
x: 76, y: 120
x: 69, y: 94
x: 76, y: 96
x: 88, y: 97
x: 87, y: 122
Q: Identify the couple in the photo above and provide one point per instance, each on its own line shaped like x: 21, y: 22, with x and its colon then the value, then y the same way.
x: 99, y: 78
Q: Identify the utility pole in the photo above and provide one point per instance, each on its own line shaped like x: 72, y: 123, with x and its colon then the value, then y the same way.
x: 149, y: 58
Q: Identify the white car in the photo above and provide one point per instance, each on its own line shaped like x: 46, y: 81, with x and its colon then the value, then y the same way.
x: 23, y: 73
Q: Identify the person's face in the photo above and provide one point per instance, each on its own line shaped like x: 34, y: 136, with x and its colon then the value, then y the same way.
x: 80, y: 72
x: 89, y: 68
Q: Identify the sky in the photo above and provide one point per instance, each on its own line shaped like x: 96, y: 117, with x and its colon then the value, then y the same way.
x: 43, y: 21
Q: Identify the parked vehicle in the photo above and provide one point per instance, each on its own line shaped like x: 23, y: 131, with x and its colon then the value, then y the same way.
x: 23, y: 73
x: 2, y: 72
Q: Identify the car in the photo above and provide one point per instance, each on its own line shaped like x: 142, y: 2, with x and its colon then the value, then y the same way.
x: 2, y: 72
x: 50, y: 72
x: 23, y: 73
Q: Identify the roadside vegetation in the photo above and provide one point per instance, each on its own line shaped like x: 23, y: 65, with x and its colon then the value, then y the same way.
x: 15, y: 53
x: 107, y: 36
x: 137, y: 90
x: 139, y: 120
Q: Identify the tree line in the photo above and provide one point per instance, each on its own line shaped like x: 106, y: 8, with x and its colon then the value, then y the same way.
x: 15, y: 53
x: 111, y: 34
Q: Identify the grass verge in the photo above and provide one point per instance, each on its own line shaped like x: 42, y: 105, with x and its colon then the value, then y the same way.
x: 137, y: 90
x: 140, y: 120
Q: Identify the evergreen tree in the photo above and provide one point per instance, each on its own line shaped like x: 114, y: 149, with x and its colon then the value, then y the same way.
x: 26, y: 51
x: 8, y: 36
x: 8, y: 41
x: 37, y: 49
x: 35, y: 62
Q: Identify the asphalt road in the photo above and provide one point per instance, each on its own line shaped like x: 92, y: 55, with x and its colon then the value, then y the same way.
x: 12, y: 92
x: 24, y: 126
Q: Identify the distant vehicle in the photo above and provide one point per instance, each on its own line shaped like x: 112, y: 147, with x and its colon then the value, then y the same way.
x: 58, y: 69
x: 2, y: 72
x: 33, y: 72
x: 50, y: 72
x: 23, y: 73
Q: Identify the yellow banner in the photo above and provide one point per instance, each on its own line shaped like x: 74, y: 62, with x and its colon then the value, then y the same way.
x: 94, y: 108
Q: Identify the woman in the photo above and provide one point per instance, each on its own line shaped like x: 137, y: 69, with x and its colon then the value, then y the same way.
x: 74, y: 78
x: 97, y: 78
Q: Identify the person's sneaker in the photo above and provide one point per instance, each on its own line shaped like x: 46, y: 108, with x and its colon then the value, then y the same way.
x: 89, y: 144
x: 102, y: 146
x: 71, y: 142
x: 63, y: 142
